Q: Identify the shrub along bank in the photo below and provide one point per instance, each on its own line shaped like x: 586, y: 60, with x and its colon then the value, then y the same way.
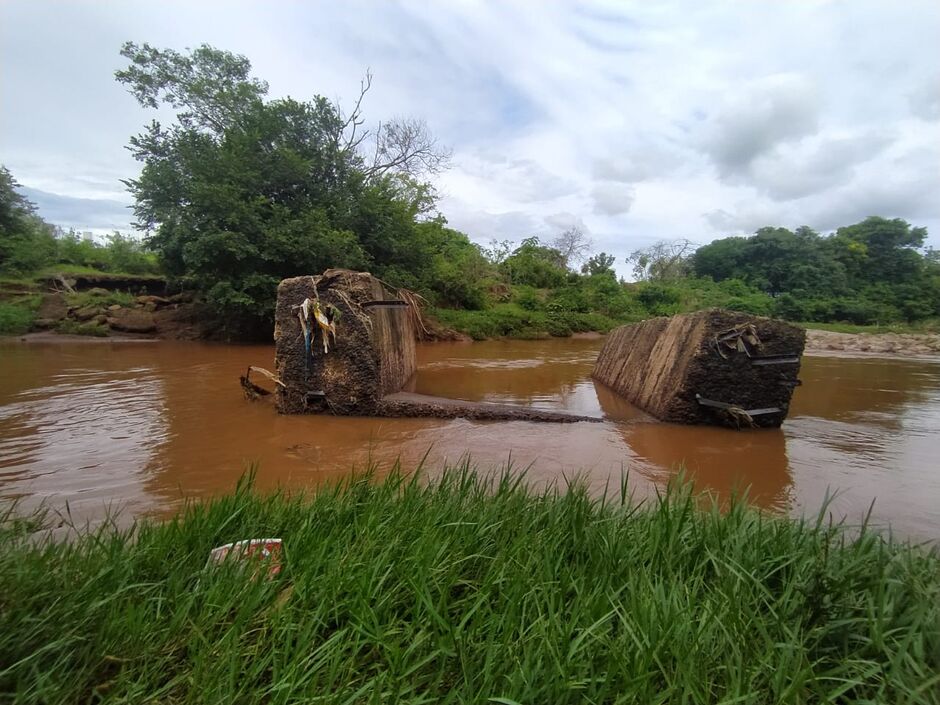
x: 468, y: 590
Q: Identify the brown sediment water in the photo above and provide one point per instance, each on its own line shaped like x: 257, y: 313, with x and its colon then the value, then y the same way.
x: 139, y: 427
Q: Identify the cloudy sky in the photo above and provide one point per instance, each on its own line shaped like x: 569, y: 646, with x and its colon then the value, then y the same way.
x: 638, y: 121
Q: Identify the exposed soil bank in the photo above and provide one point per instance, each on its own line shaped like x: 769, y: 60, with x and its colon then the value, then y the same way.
x: 900, y: 344
x: 172, y: 318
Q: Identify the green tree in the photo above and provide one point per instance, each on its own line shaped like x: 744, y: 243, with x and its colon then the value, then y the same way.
x: 15, y: 208
x: 243, y: 190
x: 601, y: 263
x: 26, y: 241
x: 535, y: 264
x: 870, y: 272
x: 721, y: 259
x: 878, y: 249
x: 461, y: 272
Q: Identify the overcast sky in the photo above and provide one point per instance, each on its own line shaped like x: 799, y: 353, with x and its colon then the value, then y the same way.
x: 638, y: 121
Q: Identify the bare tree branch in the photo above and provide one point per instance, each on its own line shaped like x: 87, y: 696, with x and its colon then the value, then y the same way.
x: 573, y: 244
x: 406, y: 145
x: 354, y: 120
x: 401, y: 145
x: 664, y: 261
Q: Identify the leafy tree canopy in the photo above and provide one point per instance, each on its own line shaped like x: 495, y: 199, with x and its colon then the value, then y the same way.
x: 535, y: 264
x: 869, y: 272
x: 26, y: 241
x: 243, y: 190
x: 600, y: 264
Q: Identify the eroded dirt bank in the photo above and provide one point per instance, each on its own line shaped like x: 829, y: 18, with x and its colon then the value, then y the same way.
x: 894, y: 344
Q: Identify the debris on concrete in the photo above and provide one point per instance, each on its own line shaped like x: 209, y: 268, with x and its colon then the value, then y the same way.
x: 345, y: 344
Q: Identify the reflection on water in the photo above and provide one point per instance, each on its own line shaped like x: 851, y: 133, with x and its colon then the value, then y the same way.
x: 145, y: 425
x: 718, y: 460
x: 72, y: 434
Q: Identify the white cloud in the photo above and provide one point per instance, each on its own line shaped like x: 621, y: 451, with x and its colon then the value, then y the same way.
x: 758, y: 117
x: 612, y: 198
x: 814, y: 165
x: 925, y: 99
x: 88, y: 213
x: 559, y: 222
x: 485, y: 226
x: 646, y: 159
x: 635, y: 119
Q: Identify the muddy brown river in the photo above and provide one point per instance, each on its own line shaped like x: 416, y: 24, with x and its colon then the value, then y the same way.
x: 141, y: 426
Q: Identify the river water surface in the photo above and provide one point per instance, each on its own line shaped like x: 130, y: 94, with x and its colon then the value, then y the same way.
x: 141, y: 426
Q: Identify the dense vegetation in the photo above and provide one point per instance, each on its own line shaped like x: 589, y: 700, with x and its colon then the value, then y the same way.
x: 242, y: 190
x: 870, y: 272
x: 29, y: 245
x: 873, y: 273
x: 470, y: 591
x: 31, y: 250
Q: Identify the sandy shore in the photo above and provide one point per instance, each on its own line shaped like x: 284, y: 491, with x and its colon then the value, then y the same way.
x: 884, y: 344
x: 817, y: 341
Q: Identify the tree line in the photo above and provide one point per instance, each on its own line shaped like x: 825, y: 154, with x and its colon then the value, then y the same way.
x: 28, y: 244
x: 875, y: 271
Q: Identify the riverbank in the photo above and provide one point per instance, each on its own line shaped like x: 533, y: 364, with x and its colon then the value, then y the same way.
x: 817, y: 341
x: 900, y: 344
x: 471, y: 591
x: 514, y: 322
x: 117, y: 315
x: 102, y: 313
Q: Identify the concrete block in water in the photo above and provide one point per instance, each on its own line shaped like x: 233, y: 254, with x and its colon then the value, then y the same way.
x: 706, y: 367
x: 373, y: 355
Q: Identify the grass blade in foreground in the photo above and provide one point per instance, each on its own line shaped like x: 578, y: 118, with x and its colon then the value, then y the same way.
x: 469, y: 590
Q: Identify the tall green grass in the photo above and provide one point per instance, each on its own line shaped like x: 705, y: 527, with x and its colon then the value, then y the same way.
x: 513, y: 321
x: 469, y: 591
x: 17, y: 315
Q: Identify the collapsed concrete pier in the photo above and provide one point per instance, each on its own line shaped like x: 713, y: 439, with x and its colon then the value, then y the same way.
x: 345, y: 344
x: 712, y: 367
x: 365, y: 350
